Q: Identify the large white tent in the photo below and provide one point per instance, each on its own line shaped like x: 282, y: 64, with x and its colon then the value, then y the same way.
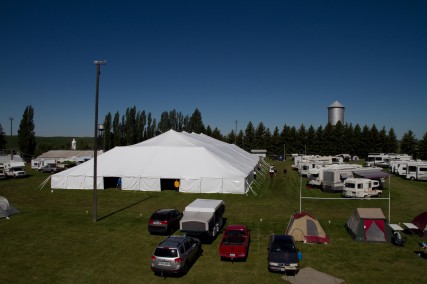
x: 202, y: 165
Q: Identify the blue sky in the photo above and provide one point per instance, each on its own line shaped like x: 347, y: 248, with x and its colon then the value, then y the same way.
x: 276, y: 62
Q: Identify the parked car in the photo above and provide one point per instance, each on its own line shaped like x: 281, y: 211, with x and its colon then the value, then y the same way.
x: 49, y: 169
x: 235, y: 243
x: 16, y: 173
x: 283, y: 255
x: 175, y: 254
x: 164, y: 221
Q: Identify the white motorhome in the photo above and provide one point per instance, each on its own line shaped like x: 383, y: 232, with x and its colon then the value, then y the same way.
x: 203, y: 217
x: 361, y: 188
x: 384, y: 160
x: 416, y: 170
x: 15, y: 169
x: 315, y: 176
x: 334, y: 176
x: 398, y: 167
x: 377, y: 159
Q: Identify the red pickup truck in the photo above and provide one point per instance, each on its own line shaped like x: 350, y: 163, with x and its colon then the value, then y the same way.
x: 235, y: 243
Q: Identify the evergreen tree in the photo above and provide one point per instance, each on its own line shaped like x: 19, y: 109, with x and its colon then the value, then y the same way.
x: 383, y: 141
x: 26, y: 134
x: 117, y: 135
x: 276, y: 146
x: 339, y: 139
x: 108, y: 136
x: 328, y: 140
x: 259, y: 141
x: 358, y: 144
x: 311, y: 140
x: 216, y: 134
x: 422, y: 147
x: 249, y: 137
x: 196, y: 122
x: 209, y: 131
x: 164, y: 122
x: 408, y: 145
x: 392, y: 143
x: 239, y: 139
x: 348, y: 140
x: 366, y: 141
x: 319, y: 144
x: 301, y: 139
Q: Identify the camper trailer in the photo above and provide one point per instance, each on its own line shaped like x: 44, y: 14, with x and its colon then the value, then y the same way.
x: 203, y: 217
x: 377, y: 159
x: 361, y: 188
x: 315, y: 176
x: 38, y: 164
x: 334, y: 176
x: 416, y: 170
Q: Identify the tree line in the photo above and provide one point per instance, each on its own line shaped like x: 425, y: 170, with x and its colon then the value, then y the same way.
x: 136, y: 126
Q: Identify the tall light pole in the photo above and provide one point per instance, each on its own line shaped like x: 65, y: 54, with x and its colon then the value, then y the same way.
x: 98, y: 64
x: 11, y: 148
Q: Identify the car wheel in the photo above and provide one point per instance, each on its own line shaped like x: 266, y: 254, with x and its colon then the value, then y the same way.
x: 185, y: 270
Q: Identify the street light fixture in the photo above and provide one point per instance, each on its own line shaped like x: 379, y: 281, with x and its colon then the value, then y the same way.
x: 98, y: 64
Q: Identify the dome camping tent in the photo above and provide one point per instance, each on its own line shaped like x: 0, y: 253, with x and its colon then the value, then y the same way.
x: 306, y: 228
x: 6, y: 209
x: 200, y: 163
x: 369, y: 225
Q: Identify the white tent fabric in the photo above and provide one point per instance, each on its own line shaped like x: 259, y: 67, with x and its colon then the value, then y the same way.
x: 201, y: 163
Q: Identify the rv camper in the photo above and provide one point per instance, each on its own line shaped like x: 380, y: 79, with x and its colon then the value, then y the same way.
x: 361, y: 188
x: 15, y: 169
x: 334, y: 177
x: 416, y: 170
x: 203, y: 217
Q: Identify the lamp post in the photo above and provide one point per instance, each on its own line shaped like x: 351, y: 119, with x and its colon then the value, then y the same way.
x: 11, y: 148
x: 98, y: 64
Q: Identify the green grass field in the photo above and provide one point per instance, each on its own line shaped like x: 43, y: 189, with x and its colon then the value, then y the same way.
x: 54, y: 239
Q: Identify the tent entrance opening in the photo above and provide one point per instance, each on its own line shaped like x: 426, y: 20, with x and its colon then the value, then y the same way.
x: 170, y: 184
x: 111, y: 182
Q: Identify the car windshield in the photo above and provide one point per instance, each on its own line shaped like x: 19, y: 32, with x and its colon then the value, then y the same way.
x: 166, y: 252
x: 276, y: 247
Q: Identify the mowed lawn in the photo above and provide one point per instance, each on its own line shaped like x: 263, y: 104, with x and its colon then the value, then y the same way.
x: 54, y: 239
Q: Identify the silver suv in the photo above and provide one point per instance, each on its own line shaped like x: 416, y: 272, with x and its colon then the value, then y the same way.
x: 175, y: 254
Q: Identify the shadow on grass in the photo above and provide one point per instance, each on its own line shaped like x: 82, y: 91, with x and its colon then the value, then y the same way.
x: 124, y: 208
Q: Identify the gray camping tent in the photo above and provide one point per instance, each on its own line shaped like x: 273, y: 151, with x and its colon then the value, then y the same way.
x: 6, y: 209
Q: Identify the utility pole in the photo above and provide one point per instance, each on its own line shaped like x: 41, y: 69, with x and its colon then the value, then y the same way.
x: 98, y: 64
x: 11, y: 148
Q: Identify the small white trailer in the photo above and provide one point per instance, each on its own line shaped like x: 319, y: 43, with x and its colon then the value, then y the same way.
x: 203, y: 217
x: 361, y: 188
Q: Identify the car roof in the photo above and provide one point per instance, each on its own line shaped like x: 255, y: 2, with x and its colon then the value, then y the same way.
x: 172, y: 241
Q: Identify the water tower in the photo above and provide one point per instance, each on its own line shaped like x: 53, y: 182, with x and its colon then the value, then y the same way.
x: 336, y: 113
